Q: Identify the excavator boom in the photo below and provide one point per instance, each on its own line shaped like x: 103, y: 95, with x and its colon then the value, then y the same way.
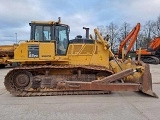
x: 130, y: 40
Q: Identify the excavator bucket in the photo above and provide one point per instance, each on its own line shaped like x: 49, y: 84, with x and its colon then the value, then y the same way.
x: 147, y: 81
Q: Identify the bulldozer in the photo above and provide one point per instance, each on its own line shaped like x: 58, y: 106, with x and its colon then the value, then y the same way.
x: 51, y: 64
x: 6, y: 53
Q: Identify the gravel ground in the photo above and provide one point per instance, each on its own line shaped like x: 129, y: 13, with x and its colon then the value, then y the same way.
x: 115, y: 106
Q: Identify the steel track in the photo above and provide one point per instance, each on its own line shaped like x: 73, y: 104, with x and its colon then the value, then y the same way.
x: 10, y: 86
x: 150, y: 59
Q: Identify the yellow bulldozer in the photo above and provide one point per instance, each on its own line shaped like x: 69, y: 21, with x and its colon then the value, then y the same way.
x: 51, y: 64
x: 6, y: 53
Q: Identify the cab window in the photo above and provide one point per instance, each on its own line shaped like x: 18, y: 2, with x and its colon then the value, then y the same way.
x: 43, y: 33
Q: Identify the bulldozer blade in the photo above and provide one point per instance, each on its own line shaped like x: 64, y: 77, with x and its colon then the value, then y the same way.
x: 147, y: 82
x: 144, y: 86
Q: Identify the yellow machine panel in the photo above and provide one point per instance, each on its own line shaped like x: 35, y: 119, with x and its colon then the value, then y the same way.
x: 46, y: 51
x: 29, y: 51
x: 21, y: 52
x: 88, y: 54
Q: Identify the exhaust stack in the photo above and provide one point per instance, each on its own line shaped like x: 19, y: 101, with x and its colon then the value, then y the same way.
x: 87, y: 32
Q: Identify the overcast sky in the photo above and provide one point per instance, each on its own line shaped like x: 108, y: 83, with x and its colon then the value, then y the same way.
x: 16, y: 14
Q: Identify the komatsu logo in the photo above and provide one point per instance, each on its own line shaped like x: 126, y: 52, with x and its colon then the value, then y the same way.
x: 46, y: 55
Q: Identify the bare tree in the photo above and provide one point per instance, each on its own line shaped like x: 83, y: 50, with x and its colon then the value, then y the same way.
x: 147, y: 33
x: 115, y: 34
x: 123, y: 32
x: 112, y: 32
x: 156, y: 27
x: 140, y: 40
x: 102, y: 30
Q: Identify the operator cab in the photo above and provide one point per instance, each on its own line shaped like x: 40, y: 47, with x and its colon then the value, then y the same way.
x: 51, y: 32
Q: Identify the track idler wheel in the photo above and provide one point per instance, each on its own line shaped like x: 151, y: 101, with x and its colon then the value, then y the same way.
x: 22, y: 79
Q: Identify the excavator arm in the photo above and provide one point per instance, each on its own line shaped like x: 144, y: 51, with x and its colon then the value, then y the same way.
x: 130, y: 39
x: 155, y: 43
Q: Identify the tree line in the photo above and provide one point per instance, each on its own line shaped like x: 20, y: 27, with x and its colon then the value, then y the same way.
x: 115, y: 34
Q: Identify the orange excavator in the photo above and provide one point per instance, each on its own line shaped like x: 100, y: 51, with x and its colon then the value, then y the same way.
x: 152, y: 54
x: 129, y: 40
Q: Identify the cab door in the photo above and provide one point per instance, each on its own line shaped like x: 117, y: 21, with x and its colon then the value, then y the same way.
x: 62, y: 40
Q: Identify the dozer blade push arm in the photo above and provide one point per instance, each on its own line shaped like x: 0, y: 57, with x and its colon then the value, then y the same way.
x: 114, y: 77
x: 109, y: 83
